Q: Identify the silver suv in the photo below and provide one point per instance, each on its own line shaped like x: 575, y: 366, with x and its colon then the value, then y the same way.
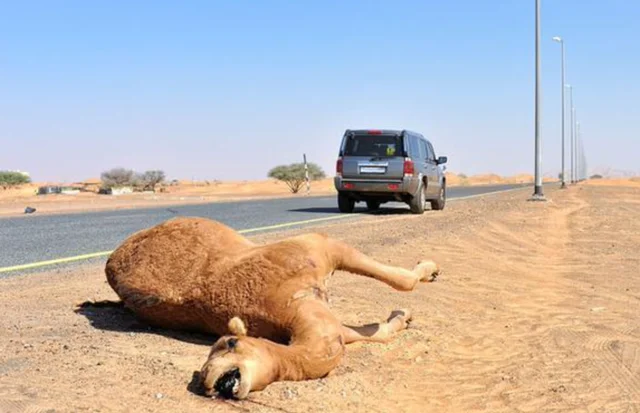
x: 378, y: 166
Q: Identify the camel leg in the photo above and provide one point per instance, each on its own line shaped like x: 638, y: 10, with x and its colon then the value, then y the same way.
x: 349, y: 259
x: 378, y: 332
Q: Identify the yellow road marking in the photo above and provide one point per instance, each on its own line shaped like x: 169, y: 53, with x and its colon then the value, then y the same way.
x: 290, y: 224
x: 55, y: 261
x: 106, y: 253
x: 503, y: 191
x: 242, y: 231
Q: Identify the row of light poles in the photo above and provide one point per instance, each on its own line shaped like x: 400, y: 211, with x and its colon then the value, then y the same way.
x: 578, y: 169
x: 578, y: 160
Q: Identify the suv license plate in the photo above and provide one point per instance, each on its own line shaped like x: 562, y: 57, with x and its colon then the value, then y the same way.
x: 372, y: 169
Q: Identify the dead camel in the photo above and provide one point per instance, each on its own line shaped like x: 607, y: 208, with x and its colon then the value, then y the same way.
x: 268, y: 303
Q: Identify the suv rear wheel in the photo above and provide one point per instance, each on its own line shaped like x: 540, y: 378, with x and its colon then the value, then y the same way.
x: 438, y: 204
x: 417, y: 202
x: 346, y: 204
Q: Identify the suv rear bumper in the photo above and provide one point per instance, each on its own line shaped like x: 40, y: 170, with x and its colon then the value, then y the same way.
x: 406, y: 185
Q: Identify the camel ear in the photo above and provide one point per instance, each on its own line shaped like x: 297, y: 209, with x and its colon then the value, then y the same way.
x: 237, y: 327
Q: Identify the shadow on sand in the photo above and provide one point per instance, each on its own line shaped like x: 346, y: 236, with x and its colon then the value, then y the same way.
x: 114, y: 316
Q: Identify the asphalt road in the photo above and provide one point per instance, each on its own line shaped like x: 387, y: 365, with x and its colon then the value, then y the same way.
x: 33, y: 238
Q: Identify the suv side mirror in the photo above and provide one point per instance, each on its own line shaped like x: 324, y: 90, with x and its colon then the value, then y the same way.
x: 442, y: 159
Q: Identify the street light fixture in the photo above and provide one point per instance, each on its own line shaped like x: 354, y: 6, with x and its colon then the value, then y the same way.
x: 559, y: 40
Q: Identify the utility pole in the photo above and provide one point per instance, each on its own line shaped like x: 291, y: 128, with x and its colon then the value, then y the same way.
x: 573, y: 116
x: 578, y: 160
x: 537, y: 192
x: 575, y: 146
x: 306, y: 173
x: 563, y: 184
x: 586, y: 166
x: 585, y: 169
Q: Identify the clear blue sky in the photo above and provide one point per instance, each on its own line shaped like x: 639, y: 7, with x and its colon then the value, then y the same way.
x: 223, y: 90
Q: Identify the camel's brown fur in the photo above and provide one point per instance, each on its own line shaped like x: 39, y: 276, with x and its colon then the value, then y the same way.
x: 267, y: 302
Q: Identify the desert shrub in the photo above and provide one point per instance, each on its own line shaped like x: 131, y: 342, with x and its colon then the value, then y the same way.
x: 293, y: 174
x: 117, y: 177
x: 150, y: 179
x: 9, y: 179
x: 596, y: 176
x: 462, y: 176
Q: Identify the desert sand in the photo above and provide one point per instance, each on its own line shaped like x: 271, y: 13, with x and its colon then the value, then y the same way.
x: 14, y: 201
x: 632, y: 182
x: 536, y: 310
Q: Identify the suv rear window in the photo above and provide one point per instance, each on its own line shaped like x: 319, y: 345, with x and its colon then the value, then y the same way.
x: 373, y: 145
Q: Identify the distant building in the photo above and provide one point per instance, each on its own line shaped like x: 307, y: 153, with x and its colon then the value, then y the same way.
x: 70, y: 190
x: 89, y: 185
x: 54, y: 189
x: 49, y: 189
x: 116, y: 191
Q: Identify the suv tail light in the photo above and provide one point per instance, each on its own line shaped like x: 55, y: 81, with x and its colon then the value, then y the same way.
x: 408, y: 167
x: 339, y: 167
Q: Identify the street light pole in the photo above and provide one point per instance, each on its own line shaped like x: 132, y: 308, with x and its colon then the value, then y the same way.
x: 537, y: 194
x: 581, y: 159
x: 561, y: 41
x: 585, y: 166
x: 575, y: 146
x: 573, y: 114
x: 578, y: 152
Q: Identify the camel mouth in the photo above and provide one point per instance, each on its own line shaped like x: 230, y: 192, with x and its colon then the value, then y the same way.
x: 228, y: 384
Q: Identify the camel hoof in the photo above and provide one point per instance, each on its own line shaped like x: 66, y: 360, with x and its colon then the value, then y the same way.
x: 428, y: 270
x: 403, y: 315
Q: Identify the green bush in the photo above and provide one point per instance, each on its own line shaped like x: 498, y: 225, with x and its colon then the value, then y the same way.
x: 293, y: 174
x: 10, y: 179
x: 596, y: 176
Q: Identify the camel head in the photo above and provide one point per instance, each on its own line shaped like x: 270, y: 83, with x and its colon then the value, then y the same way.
x: 237, y: 364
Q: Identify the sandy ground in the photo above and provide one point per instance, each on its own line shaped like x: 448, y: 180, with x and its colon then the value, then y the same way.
x: 537, y: 310
x: 14, y: 201
x: 633, y: 182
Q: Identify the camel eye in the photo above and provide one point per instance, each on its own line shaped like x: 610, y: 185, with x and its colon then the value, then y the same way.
x: 232, y: 343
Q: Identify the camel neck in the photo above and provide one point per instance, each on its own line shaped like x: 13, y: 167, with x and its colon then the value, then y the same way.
x: 316, y: 345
